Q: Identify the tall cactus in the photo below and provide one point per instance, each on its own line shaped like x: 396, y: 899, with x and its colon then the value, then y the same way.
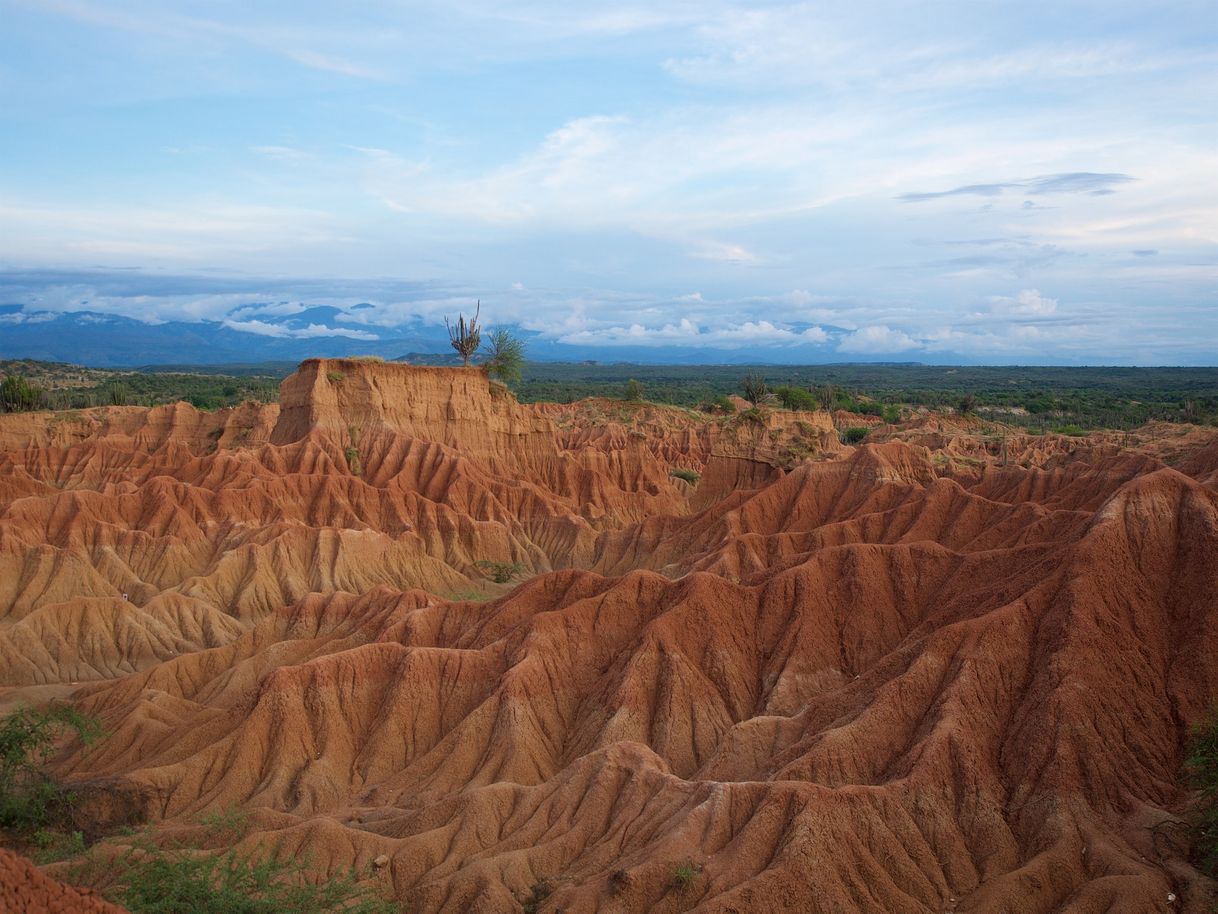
x: 465, y: 337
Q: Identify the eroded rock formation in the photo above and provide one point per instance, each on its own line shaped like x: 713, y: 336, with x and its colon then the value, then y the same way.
x: 941, y: 672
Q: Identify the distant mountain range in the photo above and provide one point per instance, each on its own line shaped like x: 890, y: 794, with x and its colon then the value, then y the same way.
x: 258, y: 335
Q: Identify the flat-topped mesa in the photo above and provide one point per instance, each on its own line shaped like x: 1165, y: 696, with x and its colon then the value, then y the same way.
x: 348, y: 399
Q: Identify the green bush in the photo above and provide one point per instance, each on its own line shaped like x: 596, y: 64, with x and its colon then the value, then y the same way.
x: 29, y: 797
x: 853, y: 435
x: 334, y: 377
x: 752, y: 415
x: 504, y: 356
x: 53, y: 846
x: 500, y: 572
x: 688, y: 475
x: 634, y: 391
x: 797, y: 398
x: 154, y: 880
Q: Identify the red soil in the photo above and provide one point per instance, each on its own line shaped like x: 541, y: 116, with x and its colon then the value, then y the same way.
x: 25, y: 890
x: 953, y: 670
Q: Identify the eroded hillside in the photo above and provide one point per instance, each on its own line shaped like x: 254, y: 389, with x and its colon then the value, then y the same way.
x: 950, y: 670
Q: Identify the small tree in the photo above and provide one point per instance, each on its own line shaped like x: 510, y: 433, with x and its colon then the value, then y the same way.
x: 504, y: 356
x: 968, y: 403
x: 634, y: 391
x: 755, y: 388
x: 465, y: 337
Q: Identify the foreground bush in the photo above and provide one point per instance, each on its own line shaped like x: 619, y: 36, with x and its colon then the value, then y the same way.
x: 29, y: 797
x: 1201, y: 765
x: 182, y: 881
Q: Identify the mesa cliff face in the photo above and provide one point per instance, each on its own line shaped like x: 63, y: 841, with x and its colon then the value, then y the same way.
x: 936, y: 673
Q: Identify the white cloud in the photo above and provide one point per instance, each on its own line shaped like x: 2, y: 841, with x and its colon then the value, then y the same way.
x: 877, y: 339
x: 686, y: 332
x: 1028, y: 302
x: 262, y: 328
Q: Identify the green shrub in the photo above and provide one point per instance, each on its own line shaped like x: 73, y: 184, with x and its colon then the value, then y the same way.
x: 334, y: 377
x: 500, y: 572
x: 634, y: 391
x: 892, y: 414
x: 688, y: 475
x: 752, y: 415
x: 853, y: 435
x: 504, y: 356
x: 797, y: 398
x: 155, y: 880
x: 53, y: 846
x: 684, y: 874
x: 353, y: 464
x: 29, y: 797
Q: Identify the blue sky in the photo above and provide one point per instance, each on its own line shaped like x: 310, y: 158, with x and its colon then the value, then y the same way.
x: 1004, y: 182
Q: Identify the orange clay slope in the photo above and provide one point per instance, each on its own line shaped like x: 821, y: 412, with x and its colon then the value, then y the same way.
x: 950, y: 671
x: 26, y: 890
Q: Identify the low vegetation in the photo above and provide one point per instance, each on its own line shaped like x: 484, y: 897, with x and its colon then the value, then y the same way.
x: 688, y: 475
x: 29, y: 797
x: 1201, y: 766
x: 685, y: 874
x: 500, y: 572
x: 853, y: 435
x: 151, y: 879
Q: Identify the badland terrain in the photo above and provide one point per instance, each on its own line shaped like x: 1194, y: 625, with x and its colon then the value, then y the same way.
x: 622, y: 657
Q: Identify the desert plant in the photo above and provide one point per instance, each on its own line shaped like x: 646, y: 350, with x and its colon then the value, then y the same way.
x: 755, y: 388
x: 968, y: 404
x: 500, y: 572
x: 688, y: 475
x: 684, y: 874
x: 826, y: 396
x: 353, y: 464
x: 29, y: 797
x: 334, y: 377
x: 466, y: 336
x: 853, y: 435
x: 504, y: 356
x: 634, y: 391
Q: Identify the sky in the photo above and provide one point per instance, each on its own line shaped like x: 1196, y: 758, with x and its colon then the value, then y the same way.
x: 981, y: 180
